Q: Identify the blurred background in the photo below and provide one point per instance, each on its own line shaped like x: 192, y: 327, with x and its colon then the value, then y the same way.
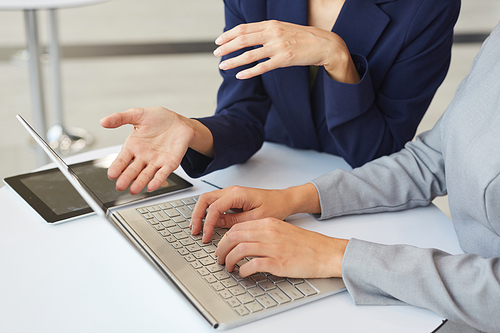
x: 121, y: 54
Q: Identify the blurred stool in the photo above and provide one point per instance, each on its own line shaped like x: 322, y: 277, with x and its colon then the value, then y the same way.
x: 65, y: 140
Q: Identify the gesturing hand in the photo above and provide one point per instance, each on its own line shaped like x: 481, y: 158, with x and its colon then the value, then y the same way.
x: 286, y: 44
x: 282, y: 249
x: 153, y: 150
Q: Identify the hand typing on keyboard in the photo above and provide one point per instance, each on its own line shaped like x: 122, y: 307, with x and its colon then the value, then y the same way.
x: 257, y: 231
x: 246, y: 204
x: 282, y: 249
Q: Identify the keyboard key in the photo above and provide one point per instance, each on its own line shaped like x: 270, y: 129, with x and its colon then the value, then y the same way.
x: 179, y: 219
x: 217, y: 286
x: 176, y: 245
x: 233, y: 302
x: 189, y: 257
x: 306, y: 289
x: 186, y: 241
x: 214, y: 268
x: 237, y: 290
x: 183, y: 225
x: 226, y: 294
x: 210, y: 249
x: 241, y: 310
x: 248, y: 283
x: 170, y: 239
x: 207, y: 261
x: 199, y: 254
x: 254, y: 307
x: 290, y: 290
x: 153, y: 208
x: 175, y: 229
x: 210, y: 279
x: 185, y: 211
x: 228, y: 283
x: 189, y: 201
x: 177, y: 203
x: 255, y: 292
x: 168, y: 224
x: 193, y: 248
x: 196, y: 265
x: 267, y: 285
x: 258, y: 278
x: 183, y: 251
x: 143, y: 210
x: 171, y: 212
x: 148, y: 216
x: 222, y: 275
x: 266, y: 301
x: 161, y: 216
x: 279, y: 296
x: 159, y: 227
x: 245, y: 298
x: 275, y: 279
x: 181, y: 235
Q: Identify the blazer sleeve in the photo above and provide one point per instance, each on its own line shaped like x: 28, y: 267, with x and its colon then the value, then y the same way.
x: 238, y: 124
x: 373, y: 119
x: 463, y: 288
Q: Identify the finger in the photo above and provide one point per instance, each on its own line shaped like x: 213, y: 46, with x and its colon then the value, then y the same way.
x: 242, y: 42
x: 118, y: 119
x: 129, y: 174
x: 247, y: 232
x: 243, y: 250
x: 240, y: 30
x: 160, y: 177
x: 120, y: 163
x: 200, y: 209
x: 245, y: 58
x: 142, y: 179
x: 259, y: 69
x: 256, y: 265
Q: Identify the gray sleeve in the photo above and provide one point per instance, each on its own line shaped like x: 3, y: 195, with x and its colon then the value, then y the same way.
x: 463, y: 288
x: 410, y: 178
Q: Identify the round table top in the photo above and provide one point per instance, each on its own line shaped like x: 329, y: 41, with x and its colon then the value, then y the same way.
x: 45, y: 4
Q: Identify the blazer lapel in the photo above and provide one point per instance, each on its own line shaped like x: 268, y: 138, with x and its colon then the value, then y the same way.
x: 360, y: 24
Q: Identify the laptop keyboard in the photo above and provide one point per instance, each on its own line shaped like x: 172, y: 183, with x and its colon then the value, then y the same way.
x: 245, y: 295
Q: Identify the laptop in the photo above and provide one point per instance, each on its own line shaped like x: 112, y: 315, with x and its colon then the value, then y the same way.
x: 161, y: 232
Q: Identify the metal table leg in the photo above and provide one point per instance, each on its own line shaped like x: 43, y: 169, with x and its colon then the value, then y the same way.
x: 36, y: 80
x: 65, y: 140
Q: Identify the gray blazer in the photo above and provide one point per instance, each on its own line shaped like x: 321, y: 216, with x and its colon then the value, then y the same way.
x: 459, y: 156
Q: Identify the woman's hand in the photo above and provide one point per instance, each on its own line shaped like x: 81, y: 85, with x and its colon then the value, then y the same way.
x: 286, y: 44
x: 250, y: 204
x: 155, y: 147
x: 282, y: 249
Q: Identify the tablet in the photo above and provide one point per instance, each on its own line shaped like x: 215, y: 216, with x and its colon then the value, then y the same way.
x: 51, y: 195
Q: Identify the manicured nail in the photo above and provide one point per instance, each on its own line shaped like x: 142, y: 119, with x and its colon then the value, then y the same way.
x: 218, y: 41
x: 217, y: 52
x: 223, y: 65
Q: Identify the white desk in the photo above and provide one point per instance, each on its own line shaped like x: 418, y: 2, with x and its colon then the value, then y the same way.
x: 84, y: 276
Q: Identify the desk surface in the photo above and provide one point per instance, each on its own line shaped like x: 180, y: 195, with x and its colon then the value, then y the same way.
x: 84, y: 276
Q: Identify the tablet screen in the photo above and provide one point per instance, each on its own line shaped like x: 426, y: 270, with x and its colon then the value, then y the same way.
x: 55, y: 199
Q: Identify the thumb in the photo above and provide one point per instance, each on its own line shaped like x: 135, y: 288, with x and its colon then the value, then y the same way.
x: 121, y: 118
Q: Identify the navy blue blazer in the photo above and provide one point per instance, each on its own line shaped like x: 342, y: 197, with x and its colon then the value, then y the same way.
x: 402, y: 51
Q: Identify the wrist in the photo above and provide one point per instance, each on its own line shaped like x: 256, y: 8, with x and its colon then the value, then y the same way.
x: 202, y: 140
x: 303, y: 199
x: 339, y: 65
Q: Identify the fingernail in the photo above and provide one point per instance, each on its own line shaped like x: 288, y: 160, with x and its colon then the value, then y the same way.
x: 240, y: 76
x: 217, y: 52
x: 223, y: 65
x: 218, y: 41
